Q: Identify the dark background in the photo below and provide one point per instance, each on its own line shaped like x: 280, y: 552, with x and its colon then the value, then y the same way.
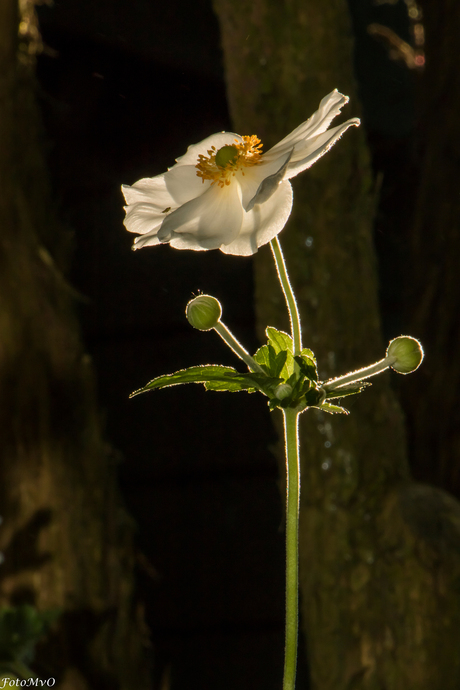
x: 124, y: 87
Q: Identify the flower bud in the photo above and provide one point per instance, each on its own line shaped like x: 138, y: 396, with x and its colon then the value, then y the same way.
x: 283, y: 391
x: 406, y: 353
x: 203, y: 312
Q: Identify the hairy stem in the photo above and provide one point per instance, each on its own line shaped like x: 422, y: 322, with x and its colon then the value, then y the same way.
x: 230, y: 340
x: 288, y: 294
x: 290, y: 418
x: 359, y: 374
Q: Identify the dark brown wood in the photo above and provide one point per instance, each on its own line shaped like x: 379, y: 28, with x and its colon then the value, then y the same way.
x: 433, y: 236
x: 65, y: 536
x: 379, y: 560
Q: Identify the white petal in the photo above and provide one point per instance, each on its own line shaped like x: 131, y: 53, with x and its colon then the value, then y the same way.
x: 218, y: 140
x: 149, y: 240
x: 304, y: 156
x: 181, y: 180
x: 150, y: 190
x: 269, y: 184
x: 252, y: 178
x: 184, y: 184
x: 207, y: 222
x: 318, y: 123
x: 263, y: 223
x: 143, y: 218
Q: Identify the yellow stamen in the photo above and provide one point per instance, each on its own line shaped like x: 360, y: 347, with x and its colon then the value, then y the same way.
x: 248, y: 153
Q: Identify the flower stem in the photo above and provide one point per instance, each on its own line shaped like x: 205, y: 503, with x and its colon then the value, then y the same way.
x: 291, y: 436
x: 359, y: 374
x: 230, y: 340
x: 288, y: 294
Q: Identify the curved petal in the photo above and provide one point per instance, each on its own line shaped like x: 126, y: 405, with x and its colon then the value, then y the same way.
x: 218, y: 140
x: 143, y: 218
x: 263, y: 223
x: 183, y: 183
x: 252, y: 178
x: 206, y: 222
x: 150, y: 190
x: 149, y: 240
x: 304, y: 157
x: 269, y: 185
x: 318, y: 123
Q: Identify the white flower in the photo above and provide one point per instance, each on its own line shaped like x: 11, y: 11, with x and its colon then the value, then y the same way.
x: 224, y: 193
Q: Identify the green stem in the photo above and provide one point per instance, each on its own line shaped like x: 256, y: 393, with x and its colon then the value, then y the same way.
x: 291, y: 436
x: 230, y: 340
x: 288, y: 294
x: 359, y: 374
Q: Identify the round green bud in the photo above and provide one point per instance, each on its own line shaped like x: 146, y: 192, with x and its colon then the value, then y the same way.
x: 406, y: 353
x: 283, y: 391
x: 226, y: 155
x: 203, y: 312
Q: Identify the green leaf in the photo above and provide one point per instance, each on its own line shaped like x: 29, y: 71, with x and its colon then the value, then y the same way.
x: 214, y: 377
x: 333, y: 409
x: 350, y: 389
x: 312, y: 396
x: 279, y: 340
x: 21, y: 627
x: 233, y: 383
x: 200, y: 374
x: 279, y: 362
x: 276, y: 362
x: 307, y: 365
x: 306, y: 352
x: 271, y: 361
x: 243, y: 382
x: 262, y: 357
x: 282, y: 342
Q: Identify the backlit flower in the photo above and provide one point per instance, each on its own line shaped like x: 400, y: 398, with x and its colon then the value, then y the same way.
x: 224, y: 193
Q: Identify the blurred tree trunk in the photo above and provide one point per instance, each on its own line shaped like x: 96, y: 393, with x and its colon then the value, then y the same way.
x: 66, y: 539
x: 433, y: 304
x: 379, y: 554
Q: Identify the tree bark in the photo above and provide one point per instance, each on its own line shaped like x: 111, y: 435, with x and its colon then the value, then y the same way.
x: 379, y: 556
x: 433, y: 295
x: 65, y: 536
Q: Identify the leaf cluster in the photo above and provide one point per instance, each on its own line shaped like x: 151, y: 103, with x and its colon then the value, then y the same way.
x: 21, y: 627
x: 287, y: 380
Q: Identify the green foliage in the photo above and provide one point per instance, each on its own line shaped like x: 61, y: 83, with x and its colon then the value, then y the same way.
x: 348, y: 389
x: 299, y: 372
x: 21, y: 627
x: 334, y: 409
x: 288, y: 380
x: 214, y: 377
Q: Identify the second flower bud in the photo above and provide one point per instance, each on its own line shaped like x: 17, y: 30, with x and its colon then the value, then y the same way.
x: 203, y: 312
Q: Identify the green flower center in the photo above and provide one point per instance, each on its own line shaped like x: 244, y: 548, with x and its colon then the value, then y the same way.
x: 226, y: 155
x: 220, y: 166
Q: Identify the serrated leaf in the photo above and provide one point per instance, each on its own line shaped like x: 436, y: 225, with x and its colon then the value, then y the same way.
x: 312, y: 396
x: 279, y: 340
x: 351, y: 389
x: 271, y: 361
x: 232, y: 384
x: 306, y: 352
x: 276, y: 357
x: 262, y: 357
x: 307, y: 366
x: 297, y: 388
x: 288, y: 369
x: 279, y: 362
x: 214, y: 377
x: 333, y: 409
x: 243, y: 382
x: 200, y: 374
